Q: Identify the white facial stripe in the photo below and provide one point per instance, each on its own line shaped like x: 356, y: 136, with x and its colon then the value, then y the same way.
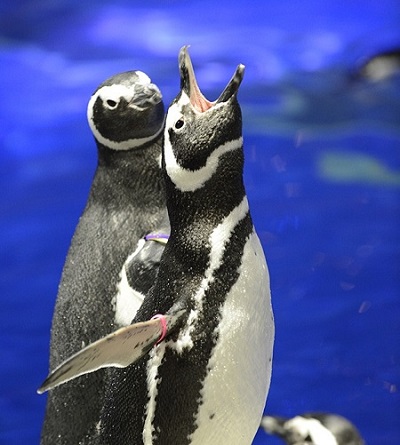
x: 123, y: 145
x: 115, y: 92
x: 143, y: 78
x: 219, y: 237
x: 189, y: 180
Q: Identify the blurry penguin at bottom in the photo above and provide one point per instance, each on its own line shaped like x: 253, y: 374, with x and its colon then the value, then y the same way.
x: 313, y: 429
x: 196, y: 362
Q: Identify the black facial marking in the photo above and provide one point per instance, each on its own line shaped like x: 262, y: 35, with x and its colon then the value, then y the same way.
x: 123, y: 122
x: 204, y: 133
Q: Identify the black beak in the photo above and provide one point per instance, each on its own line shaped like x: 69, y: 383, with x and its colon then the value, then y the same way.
x: 192, y: 90
x: 233, y: 86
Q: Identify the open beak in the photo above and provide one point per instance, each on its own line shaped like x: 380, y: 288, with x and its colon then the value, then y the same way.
x: 192, y: 90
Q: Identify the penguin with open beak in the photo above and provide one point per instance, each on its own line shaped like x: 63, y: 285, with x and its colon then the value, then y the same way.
x: 196, y: 362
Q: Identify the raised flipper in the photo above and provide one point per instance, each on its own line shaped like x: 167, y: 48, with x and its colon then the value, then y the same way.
x: 118, y: 349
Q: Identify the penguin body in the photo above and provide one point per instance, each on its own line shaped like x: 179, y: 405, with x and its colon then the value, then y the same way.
x: 206, y: 379
x: 313, y: 429
x: 126, y: 200
x: 204, y: 384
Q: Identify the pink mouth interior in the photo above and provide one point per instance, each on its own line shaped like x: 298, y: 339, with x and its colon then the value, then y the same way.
x: 197, y: 99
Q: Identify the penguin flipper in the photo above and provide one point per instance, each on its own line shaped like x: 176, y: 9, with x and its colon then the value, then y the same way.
x: 142, y: 267
x: 138, y: 275
x: 118, y: 349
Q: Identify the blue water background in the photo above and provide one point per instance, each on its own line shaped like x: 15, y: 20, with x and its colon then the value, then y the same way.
x: 322, y: 175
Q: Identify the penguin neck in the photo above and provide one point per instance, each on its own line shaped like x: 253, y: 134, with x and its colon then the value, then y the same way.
x: 129, y: 177
x: 200, y: 211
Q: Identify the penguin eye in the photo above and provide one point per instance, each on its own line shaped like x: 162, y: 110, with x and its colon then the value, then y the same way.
x: 111, y: 104
x: 179, y: 124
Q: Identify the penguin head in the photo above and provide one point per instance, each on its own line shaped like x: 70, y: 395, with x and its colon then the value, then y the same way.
x: 198, y: 131
x: 126, y: 111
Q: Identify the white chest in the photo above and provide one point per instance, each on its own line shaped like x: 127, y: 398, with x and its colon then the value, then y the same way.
x: 237, y: 384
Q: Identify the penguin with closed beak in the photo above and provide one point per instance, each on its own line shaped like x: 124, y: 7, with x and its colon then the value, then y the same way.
x: 126, y: 200
x: 196, y: 362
